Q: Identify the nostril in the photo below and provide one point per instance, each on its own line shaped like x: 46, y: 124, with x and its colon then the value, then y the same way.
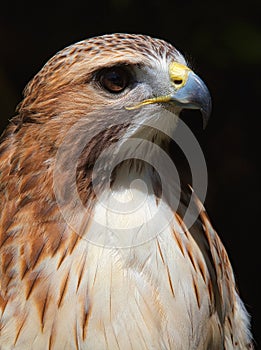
x: 178, y: 81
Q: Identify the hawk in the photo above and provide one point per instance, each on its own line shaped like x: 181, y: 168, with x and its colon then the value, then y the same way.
x: 96, y: 248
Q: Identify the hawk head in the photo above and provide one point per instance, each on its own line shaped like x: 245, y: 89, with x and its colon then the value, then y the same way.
x: 113, y: 72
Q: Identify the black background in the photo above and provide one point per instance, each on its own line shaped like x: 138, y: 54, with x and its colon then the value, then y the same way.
x: 222, y: 41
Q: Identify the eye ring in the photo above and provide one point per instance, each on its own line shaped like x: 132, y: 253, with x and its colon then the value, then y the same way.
x: 115, y: 79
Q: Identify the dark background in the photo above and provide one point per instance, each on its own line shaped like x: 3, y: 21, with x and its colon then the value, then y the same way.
x: 222, y: 41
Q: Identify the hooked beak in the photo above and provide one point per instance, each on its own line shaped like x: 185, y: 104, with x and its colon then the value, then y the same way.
x: 189, y: 92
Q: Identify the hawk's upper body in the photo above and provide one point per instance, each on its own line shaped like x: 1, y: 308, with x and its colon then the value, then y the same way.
x: 93, y: 252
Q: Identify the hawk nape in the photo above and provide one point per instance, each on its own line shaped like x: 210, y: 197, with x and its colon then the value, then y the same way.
x: 84, y: 264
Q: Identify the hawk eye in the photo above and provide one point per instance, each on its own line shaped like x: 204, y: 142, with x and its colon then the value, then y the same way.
x: 114, y: 79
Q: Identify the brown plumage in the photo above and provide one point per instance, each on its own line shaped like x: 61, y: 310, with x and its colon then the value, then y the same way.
x: 76, y: 272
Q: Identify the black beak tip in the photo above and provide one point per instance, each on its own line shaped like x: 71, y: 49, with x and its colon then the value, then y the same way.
x: 206, y: 112
x: 205, y: 117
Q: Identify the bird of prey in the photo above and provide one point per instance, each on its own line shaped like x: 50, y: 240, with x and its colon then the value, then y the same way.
x: 95, y: 249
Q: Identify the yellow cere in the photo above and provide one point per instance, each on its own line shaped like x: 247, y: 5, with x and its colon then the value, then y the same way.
x: 178, y: 74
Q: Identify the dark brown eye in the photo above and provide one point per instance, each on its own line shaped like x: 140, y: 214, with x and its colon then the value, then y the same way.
x: 115, y: 79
